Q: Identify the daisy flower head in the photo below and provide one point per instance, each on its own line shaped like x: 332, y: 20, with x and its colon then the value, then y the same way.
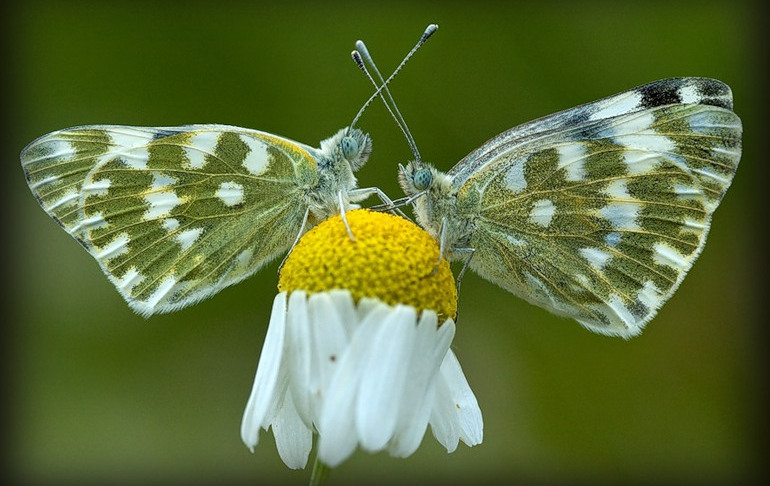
x: 357, y: 348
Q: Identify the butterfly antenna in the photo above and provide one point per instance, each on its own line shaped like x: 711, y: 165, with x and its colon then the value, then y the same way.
x: 361, y: 54
x: 360, y: 63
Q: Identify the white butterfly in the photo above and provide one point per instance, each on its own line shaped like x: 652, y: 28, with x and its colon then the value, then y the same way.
x: 175, y: 214
x: 594, y: 213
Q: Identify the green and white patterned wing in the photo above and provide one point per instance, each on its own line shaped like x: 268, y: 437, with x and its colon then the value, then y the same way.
x: 173, y: 215
x: 599, y: 216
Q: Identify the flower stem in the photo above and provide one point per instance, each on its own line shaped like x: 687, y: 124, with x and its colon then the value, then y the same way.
x: 319, y: 474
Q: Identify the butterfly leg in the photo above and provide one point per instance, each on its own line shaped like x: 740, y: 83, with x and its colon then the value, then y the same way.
x: 387, y: 203
x: 441, y: 246
x: 470, y: 252
x: 299, y: 235
x: 342, y: 215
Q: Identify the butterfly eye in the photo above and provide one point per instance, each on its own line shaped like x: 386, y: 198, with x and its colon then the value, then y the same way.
x: 422, y: 179
x: 349, y: 147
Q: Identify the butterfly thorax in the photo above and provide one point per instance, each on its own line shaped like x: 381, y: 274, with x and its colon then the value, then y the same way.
x: 338, y: 158
x: 443, y: 211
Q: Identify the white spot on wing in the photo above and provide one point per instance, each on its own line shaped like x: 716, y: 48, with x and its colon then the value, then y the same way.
x: 231, y: 193
x: 711, y: 175
x: 129, y: 280
x: 161, y: 204
x: 638, y: 123
x: 649, y: 141
x: 687, y: 192
x: 202, y: 144
x: 116, y: 247
x: 665, y: 255
x: 44, y: 181
x: 130, y: 146
x: 94, y: 222
x: 689, y: 94
x: 514, y: 178
x: 160, y: 293
x: 694, y: 226
x: 650, y: 295
x: 188, y: 237
x: 129, y: 137
x: 256, y: 160
x: 618, y: 105
x: 622, y: 215
x: 637, y: 132
x: 618, y: 189
x: 596, y: 257
x: 639, y: 162
x: 170, y: 224
x: 161, y: 180
x: 612, y: 239
x: 96, y: 188
x: 66, y: 199
x: 616, y: 305
x: 572, y: 160
x: 542, y: 212
x: 732, y: 153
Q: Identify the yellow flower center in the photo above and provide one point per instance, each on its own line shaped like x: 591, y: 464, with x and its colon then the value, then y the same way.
x: 391, y: 259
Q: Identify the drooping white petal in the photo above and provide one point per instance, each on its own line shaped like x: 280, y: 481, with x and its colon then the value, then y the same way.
x: 263, y: 393
x: 444, y: 422
x: 383, y: 377
x: 456, y: 414
x: 362, y: 374
x: 293, y: 438
x: 467, y: 407
x: 298, y: 353
x: 430, y: 346
x: 336, y: 428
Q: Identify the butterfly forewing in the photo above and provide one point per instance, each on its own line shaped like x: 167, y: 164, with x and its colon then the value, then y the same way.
x: 599, y: 216
x: 173, y: 215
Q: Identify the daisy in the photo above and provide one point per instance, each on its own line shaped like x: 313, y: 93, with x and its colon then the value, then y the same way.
x: 357, y: 348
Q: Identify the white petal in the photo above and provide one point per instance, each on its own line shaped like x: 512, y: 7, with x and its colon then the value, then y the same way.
x: 431, y: 344
x: 298, y: 353
x: 383, y: 378
x: 293, y: 438
x: 337, y: 436
x: 344, y: 304
x: 365, y: 306
x: 330, y: 339
x: 264, y: 394
x: 467, y: 407
x: 444, y: 422
x: 456, y: 414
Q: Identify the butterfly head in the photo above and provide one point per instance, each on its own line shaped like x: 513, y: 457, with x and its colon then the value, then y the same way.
x: 355, y: 147
x: 418, y: 177
x: 350, y: 145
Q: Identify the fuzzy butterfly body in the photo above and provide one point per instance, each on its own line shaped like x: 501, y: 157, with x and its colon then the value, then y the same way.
x: 173, y: 215
x: 594, y: 213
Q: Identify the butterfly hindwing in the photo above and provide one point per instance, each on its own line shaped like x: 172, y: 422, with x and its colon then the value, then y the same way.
x: 173, y: 215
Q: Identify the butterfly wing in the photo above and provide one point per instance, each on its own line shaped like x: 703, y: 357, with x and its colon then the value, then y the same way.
x: 599, y: 217
x: 172, y: 215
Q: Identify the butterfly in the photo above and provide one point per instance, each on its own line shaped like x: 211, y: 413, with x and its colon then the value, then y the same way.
x: 594, y: 213
x: 175, y: 214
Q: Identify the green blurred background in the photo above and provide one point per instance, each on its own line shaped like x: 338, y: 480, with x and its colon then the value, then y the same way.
x: 95, y: 393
